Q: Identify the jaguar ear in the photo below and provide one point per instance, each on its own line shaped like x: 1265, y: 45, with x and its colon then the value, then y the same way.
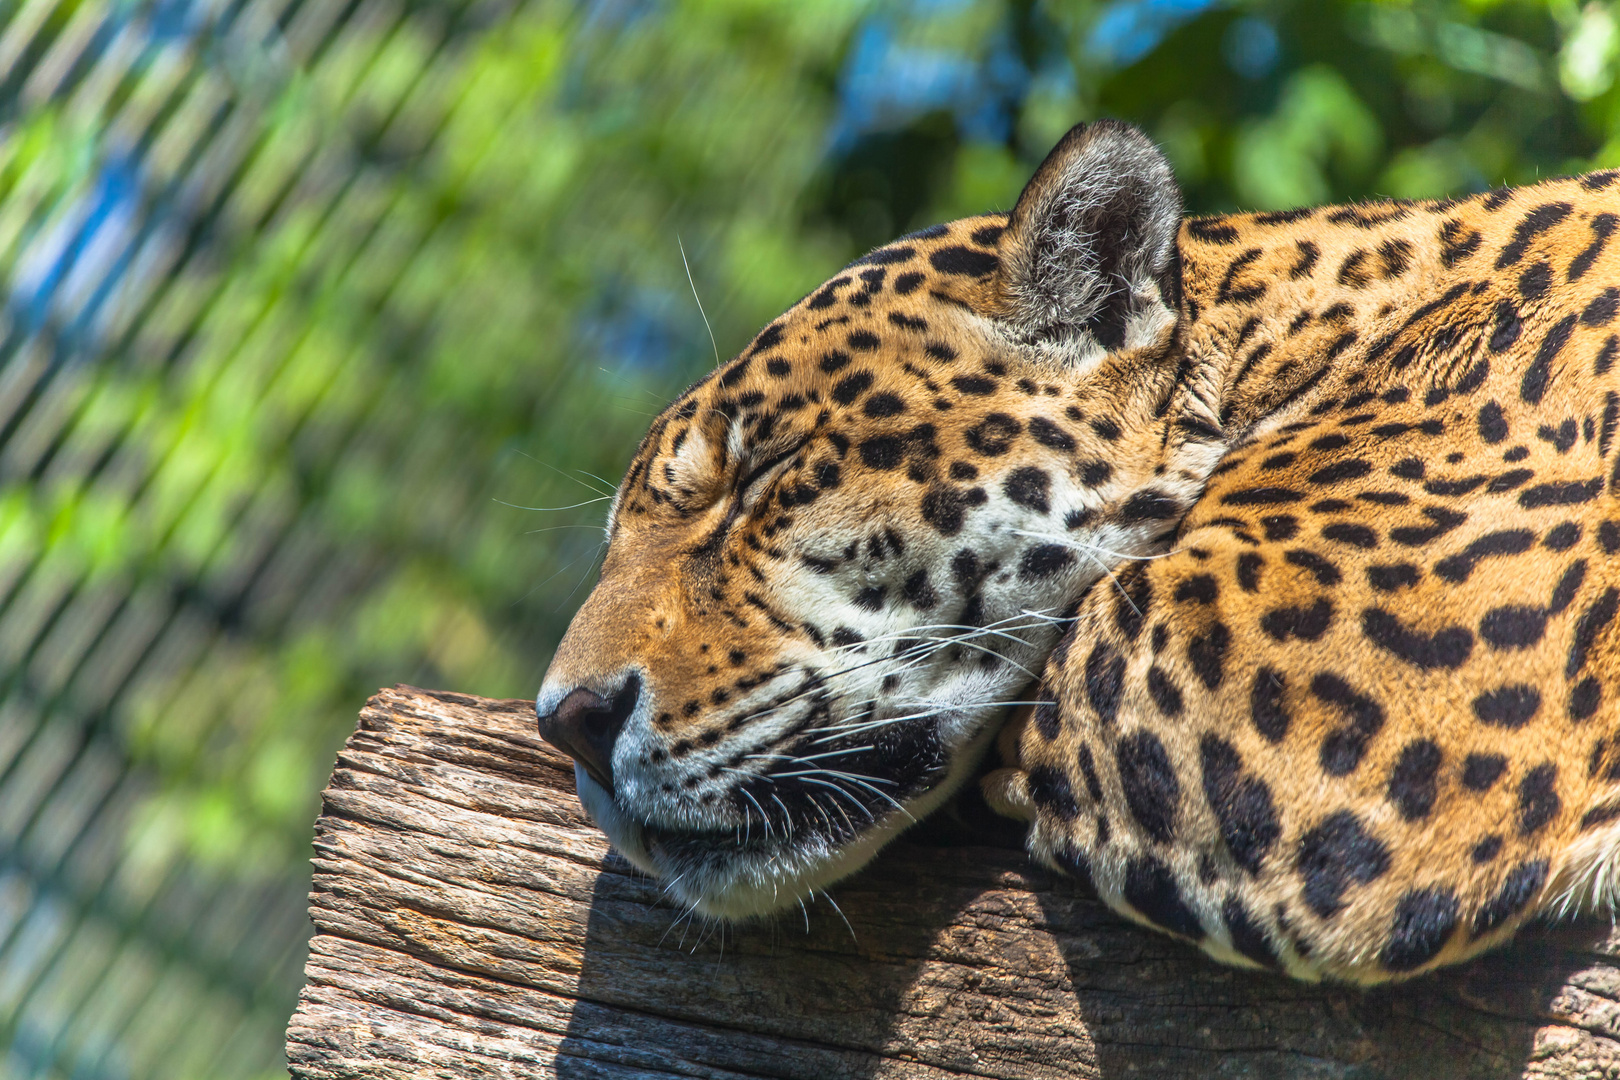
x: 1089, y: 257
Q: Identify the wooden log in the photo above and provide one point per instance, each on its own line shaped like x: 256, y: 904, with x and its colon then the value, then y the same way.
x: 472, y: 923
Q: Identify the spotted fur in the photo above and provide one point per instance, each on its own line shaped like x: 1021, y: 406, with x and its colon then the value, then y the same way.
x: 1289, y: 538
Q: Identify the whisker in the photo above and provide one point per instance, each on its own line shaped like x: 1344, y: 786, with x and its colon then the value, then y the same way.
x: 911, y: 632
x: 560, y: 571
x: 921, y: 628
x: 1113, y: 578
x: 554, y: 528
x: 787, y: 817
x: 797, y: 760
x: 812, y: 684
x: 1081, y: 545
x: 991, y: 652
x: 916, y: 655
x: 620, y: 404
x: 921, y: 650
x: 552, y: 509
x: 600, y: 549
x: 682, y: 916
x: 611, y: 488
x: 1057, y: 620
x: 692, y: 283
x: 830, y: 784
x: 837, y: 731
x: 924, y: 644
x: 763, y: 816
x: 828, y: 897
x: 935, y: 644
x: 867, y: 782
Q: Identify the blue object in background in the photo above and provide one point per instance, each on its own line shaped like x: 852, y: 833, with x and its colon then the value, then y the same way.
x: 1130, y: 29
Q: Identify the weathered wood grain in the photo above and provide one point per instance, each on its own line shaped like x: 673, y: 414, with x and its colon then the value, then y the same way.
x: 471, y: 923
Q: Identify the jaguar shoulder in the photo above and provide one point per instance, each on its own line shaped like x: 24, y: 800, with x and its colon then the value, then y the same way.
x: 1287, y: 538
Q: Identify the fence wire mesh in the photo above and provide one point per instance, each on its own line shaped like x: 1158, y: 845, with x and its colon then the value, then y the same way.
x: 140, y: 155
x: 208, y: 209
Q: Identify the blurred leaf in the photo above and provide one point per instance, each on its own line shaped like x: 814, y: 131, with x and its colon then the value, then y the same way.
x: 1282, y: 161
x: 1586, y: 62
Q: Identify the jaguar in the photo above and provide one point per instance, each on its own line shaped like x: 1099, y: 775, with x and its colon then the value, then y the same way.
x: 1273, y: 552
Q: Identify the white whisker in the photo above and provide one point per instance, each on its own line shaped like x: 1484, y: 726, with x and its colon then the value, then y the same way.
x: 763, y: 816
x: 816, y: 757
x: 1080, y: 545
x: 828, y: 897
x: 705, y: 315
x: 554, y: 509
x: 836, y: 731
x: 611, y: 488
x: 867, y: 782
x: 787, y: 817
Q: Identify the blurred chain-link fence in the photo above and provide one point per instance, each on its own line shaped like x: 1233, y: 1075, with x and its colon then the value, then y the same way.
x: 142, y: 154
x: 309, y: 307
x: 208, y: 214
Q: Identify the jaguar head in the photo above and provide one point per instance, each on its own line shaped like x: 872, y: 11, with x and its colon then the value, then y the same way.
x: 836, y: 560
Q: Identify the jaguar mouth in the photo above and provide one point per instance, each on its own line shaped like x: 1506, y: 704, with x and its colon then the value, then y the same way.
x: 662, y: 844
x: 731, y: 872
x: 758, y: 863
x: 678, y: 843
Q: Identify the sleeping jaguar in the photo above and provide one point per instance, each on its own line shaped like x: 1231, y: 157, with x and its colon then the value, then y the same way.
x: 1278, y: 548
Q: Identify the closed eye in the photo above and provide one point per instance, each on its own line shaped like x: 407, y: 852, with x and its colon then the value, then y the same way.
x: 710, y: 547
x: 711, y: 544
x: 758, y: 472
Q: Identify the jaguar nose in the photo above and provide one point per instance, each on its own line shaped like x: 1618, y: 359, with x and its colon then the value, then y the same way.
x: 585, y: 725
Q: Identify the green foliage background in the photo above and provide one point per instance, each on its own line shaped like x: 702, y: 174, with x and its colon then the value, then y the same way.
x: 391, y: 274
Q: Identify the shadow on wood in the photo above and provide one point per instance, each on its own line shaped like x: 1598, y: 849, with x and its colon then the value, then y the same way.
x: 471, y: 923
